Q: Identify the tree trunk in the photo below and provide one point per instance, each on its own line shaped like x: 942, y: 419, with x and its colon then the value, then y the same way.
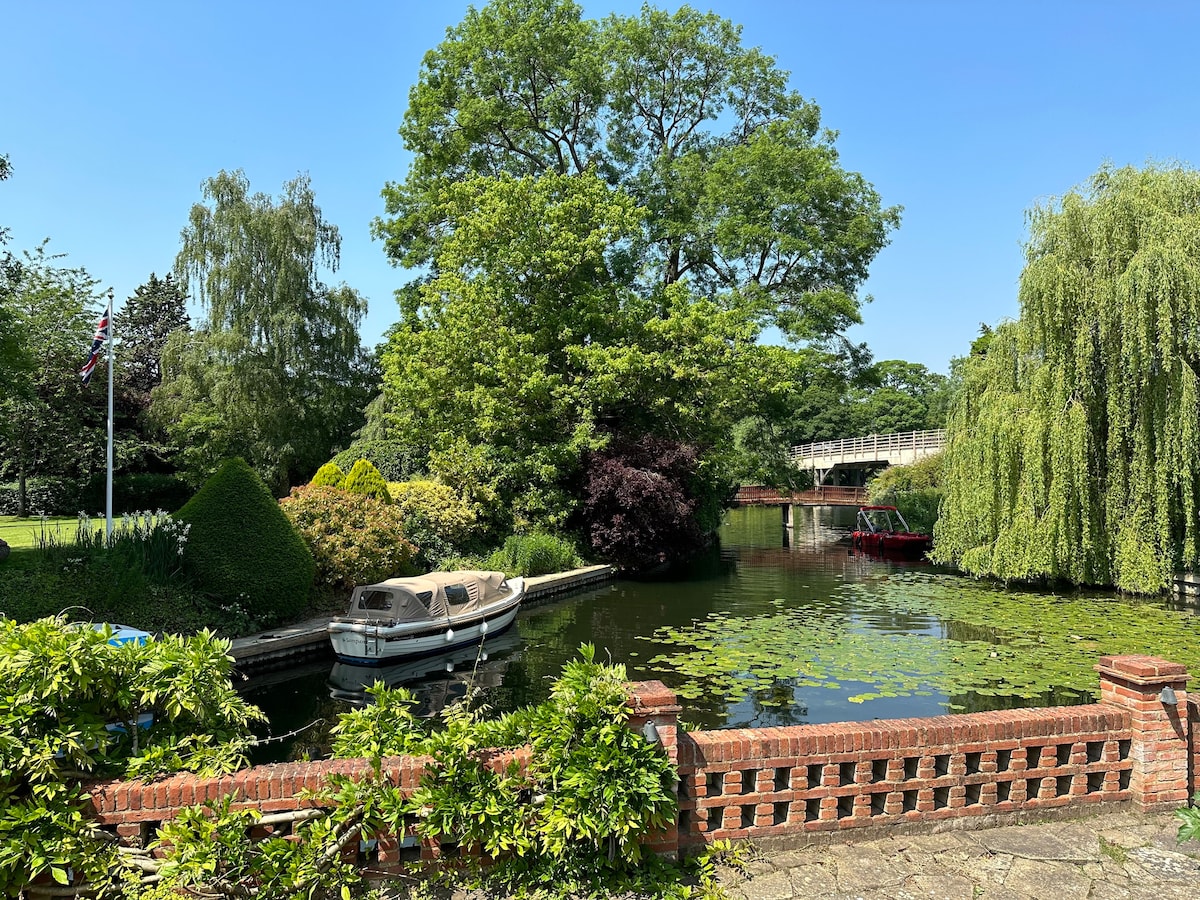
x: 22, y: 504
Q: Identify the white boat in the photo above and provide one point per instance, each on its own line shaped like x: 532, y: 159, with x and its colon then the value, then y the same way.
x: 405, y: 617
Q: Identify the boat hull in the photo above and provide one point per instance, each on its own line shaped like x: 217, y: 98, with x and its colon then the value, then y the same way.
x: 369, y: 644
x: 892, y: 543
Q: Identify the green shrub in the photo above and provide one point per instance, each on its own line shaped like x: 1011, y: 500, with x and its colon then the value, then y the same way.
x: 242, y: 549
x: 394, y: 460
x: 44, y: 497
x: 63, y: 685
x: 133, y: 493
x: 915, y: 490
x: 435, y: 519
x: 329, y: 475
x: 924, y: 473
x: 535, y: 554
x: 365, y: 479
x: 601, y: 787
x: 354, y: 539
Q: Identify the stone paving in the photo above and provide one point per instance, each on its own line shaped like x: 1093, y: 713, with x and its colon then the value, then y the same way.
x: 1114, y: 855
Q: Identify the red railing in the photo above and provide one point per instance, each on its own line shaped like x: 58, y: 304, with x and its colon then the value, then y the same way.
x: 820, y: 496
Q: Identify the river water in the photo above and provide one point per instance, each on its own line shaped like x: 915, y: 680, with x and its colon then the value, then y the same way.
x: 773, y: 626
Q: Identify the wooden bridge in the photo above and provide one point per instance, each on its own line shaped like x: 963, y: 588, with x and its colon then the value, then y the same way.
x: 824, y: 495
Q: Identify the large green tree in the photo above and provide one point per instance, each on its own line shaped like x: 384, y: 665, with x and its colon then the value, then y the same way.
x: 156, y: 310
x: 142, y: 326
x: 50, y: 424
x: 607, y: 213
x: 275, y: 372
x: 744, y: 190
x: 13, y: 359
x: 1074, y: 440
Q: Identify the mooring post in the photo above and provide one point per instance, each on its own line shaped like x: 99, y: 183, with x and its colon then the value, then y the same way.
x: 788, y: 516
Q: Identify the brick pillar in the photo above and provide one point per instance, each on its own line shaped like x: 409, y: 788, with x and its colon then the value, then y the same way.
x: 1159, y: 747
x: 653, y: 701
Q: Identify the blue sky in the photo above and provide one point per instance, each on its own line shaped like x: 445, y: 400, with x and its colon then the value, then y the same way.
x: 966, y: 114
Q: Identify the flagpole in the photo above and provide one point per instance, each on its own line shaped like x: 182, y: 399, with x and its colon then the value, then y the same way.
x: 108, y: 526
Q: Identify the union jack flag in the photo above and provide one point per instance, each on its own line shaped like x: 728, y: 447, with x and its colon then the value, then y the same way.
x: 102, y: 335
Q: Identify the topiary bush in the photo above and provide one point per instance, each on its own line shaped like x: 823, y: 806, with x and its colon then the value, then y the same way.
x: 394, y: 460
x: 365, y: 479
x: 435, y: 518
x: 535, y: 554
x: 329, y: 475
x: 242, y: 549
x: 354, y: 539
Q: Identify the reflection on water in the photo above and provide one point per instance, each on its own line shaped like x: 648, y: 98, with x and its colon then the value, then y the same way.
x: 436, y: 681
x: 798, y: 595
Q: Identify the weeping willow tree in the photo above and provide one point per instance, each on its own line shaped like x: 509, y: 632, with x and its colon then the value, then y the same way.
x: 1072, y: 445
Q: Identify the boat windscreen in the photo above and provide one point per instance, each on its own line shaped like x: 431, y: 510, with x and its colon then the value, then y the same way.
x: 399, y: 604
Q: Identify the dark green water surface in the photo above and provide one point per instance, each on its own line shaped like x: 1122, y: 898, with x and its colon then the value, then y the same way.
x: 777, y: 627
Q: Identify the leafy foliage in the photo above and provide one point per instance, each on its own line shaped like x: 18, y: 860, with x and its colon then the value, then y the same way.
x: 65, y: 687
x: 329, y: 475
x: 242, y: 549
x: 535, y: 554
x: 363, y: 478
x: 275, y: 372
x: 763, y: 208
x: 353, y: 538
x: 1074, y: 450
x: 916, y: 490
x: 572, y: 820
x: 395, y: 460
x: 1189, y: 821
x: 568, y: 824
x: 50, y: 425
x: 639, y: 508
x: 608, y: 214
x: 435, y: 519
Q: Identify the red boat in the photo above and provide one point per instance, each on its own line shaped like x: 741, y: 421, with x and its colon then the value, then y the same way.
x: 882, y: 530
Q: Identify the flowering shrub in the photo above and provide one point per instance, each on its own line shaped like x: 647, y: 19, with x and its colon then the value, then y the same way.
x: 353, y: 538
x: 435, y: 518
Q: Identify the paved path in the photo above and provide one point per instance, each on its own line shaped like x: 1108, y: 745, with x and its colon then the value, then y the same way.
x: 1109, y: 856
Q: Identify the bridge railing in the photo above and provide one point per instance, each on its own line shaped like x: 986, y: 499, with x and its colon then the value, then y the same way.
x: 820, y: 496
x: 876, y: 445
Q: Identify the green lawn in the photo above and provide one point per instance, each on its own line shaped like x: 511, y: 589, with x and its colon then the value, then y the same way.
x: 27, y: 532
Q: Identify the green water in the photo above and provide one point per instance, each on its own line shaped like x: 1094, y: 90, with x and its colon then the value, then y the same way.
x: 776, y: 627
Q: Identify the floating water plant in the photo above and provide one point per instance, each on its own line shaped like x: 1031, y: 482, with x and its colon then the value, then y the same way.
x: 917, y: 634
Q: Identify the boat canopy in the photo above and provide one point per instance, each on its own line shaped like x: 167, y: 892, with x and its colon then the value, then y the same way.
x: 425, y: 598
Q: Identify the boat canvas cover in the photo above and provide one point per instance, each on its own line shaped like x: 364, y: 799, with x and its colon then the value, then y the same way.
x: 425, y: 598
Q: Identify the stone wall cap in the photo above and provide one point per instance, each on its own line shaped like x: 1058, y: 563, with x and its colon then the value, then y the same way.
x: 1143, y: 670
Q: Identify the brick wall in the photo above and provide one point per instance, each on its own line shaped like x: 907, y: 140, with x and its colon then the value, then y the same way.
x: 1136, y: 746
x: 743, y: 783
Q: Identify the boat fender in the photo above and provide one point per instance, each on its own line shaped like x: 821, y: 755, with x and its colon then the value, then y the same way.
x: 449, y: 635
x: 483, y: 627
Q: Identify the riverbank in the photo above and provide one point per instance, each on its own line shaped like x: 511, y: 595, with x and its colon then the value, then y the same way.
x: 309, y: 637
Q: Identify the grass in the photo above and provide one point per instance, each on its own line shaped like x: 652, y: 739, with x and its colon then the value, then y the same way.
x: 28, y: 532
